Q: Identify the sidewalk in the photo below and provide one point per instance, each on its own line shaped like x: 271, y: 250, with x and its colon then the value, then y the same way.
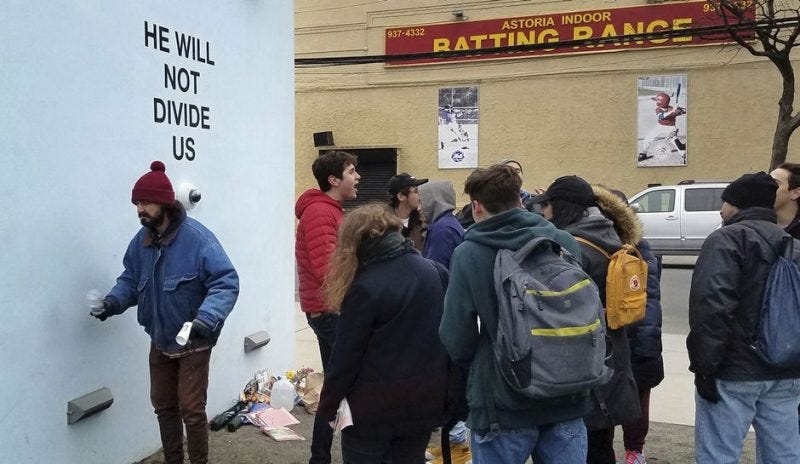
x: 670, y: 440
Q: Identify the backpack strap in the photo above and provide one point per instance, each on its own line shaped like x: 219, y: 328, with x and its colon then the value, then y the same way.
x: 593, y: 245
x: 784, y: 244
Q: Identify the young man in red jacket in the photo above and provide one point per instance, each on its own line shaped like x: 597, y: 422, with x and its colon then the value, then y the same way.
x: 320, y: 214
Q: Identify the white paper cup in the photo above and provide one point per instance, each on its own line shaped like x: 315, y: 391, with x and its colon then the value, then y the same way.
x: 95, y: 298
x: 183, y: 336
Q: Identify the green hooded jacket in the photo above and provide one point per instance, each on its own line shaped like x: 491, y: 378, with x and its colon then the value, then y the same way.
x: 471, y: 297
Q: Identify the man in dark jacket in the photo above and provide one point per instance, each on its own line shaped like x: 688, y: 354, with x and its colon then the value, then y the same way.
x: 735, y: 388
x: 549, y: 430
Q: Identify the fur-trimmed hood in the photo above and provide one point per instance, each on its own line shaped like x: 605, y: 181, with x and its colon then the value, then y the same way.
x: 626, y: 223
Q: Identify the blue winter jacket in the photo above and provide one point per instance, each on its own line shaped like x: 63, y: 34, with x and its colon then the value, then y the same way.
x: 188, y: 276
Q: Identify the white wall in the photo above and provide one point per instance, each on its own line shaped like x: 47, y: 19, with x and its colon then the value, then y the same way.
x: 76, y: 130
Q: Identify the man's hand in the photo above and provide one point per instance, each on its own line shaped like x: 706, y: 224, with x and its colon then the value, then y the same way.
x: 199, y: 330
x: 100, y: 309
x: 706, y: 388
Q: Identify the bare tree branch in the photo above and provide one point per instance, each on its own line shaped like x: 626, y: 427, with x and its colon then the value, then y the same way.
x: 773, y: 35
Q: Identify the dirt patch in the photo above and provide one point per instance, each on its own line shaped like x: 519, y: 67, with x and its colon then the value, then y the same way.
x: 666, y: 444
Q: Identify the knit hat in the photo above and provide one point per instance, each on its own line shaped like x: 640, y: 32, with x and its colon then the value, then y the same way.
x: 154, y: 186
x: 750, y: 190
x: 569, y: 188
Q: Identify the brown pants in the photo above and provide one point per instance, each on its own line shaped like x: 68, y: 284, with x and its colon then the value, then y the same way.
x: 178, y: 390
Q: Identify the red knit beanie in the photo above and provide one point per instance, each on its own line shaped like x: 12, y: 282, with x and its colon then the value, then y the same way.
x: 154, y: 186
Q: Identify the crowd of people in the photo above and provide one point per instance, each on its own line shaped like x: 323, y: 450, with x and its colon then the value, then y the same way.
x: 408, y: 287
x: 402, y: 298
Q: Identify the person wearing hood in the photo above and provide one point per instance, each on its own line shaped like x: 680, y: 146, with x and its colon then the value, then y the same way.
x: 598, y: 216
x: 388, y: 361
x: 444, y: 232
x: 549, y: 430
x: 443, y: 236
x: 735, y: 387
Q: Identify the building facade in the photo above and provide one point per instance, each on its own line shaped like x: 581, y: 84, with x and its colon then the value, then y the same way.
x: 570, y: 106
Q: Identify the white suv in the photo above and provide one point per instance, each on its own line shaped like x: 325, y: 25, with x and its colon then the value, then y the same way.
x: 678, y: 218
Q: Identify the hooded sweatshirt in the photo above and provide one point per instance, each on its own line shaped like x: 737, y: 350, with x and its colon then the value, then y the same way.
x: 320, y: 217
x: 471, y: 295
x: 444, y: 232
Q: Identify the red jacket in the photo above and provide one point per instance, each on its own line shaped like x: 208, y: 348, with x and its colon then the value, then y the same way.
x: 320, y: 217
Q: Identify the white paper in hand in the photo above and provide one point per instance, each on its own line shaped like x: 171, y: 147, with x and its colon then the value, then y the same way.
x: 344, y: 418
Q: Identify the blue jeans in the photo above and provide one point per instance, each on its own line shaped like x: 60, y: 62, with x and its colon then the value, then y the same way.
x: 562, y: 443
x: 458, y: 433
x: 769, y: 405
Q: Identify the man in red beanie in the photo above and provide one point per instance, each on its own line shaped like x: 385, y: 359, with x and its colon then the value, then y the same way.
x: 176, y: 272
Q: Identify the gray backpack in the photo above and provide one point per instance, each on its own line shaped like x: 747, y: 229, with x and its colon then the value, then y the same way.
x: 550, y: 337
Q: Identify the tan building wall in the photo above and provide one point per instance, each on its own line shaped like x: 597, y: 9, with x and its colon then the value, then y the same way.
x: 568, y: 114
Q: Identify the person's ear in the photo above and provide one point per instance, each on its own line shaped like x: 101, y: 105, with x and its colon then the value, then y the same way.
x: 334, y: 181
x: 477, y: 208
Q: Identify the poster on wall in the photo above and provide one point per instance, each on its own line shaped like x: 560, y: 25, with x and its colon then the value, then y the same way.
x: 663, y: 101
x: 458, y: 128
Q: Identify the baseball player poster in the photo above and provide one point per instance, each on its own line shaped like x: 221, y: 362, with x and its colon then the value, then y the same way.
x: 458, y: 128
x: 663, y: 101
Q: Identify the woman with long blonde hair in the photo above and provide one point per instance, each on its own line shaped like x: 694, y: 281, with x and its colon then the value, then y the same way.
x: 387, y: 361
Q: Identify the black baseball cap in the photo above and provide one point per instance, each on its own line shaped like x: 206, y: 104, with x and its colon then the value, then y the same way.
x: 401, y: 181
x: 568, y: 188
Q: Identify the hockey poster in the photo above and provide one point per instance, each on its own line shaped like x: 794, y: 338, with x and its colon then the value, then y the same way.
x: 458, y: 128
x: 663, y: 102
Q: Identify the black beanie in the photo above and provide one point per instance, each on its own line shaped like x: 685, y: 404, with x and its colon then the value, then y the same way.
x: 750, y: 190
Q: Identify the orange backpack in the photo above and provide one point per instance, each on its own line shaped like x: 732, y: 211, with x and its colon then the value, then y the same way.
x: 626, y: 285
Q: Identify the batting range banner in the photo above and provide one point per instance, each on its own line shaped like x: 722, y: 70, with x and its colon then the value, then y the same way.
x: 609, y: 23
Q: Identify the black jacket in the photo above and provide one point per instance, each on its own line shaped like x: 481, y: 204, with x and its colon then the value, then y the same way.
x: 644, y: 337
x: 388, y: 361
x: 618, y: 400
x: 725, y: 298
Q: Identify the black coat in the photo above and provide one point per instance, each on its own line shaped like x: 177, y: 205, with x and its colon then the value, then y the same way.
x: 644, y: 337
x: 725, y: 299
x: 618, y: 400
x: 388, y: 361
